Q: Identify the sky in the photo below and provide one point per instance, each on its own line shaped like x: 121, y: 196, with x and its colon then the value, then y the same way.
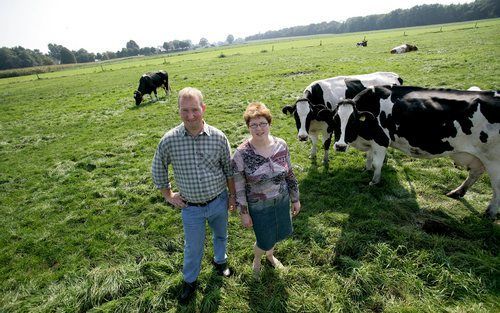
x: 107, y: 25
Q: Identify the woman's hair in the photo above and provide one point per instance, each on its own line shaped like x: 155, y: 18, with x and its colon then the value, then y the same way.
x: 256, y: 110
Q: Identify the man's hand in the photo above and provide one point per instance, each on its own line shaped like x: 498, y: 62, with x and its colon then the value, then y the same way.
x: 174, y: 198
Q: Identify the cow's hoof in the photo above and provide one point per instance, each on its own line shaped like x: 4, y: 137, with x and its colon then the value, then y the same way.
x: 373, y: 183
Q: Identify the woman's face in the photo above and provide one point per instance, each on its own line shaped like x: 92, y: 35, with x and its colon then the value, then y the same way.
x: 259, y: 127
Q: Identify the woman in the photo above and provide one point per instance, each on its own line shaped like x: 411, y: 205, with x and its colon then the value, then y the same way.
x: 265, y: 185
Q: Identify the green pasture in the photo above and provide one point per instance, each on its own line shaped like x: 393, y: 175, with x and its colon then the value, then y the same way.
x: 83, y: 229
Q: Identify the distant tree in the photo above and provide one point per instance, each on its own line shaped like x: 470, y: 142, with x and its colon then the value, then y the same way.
x: 82, y: 56
x: 132, y: 45
x: 8, y: 59
x: 19, y: 57
x: 132, y: 48
x: 230, y: 39
x: 123, y: 53
x: 168, y: 46
x: 203, y: 42
x: 24, y: 58
x: 185, y: 45
x: 67, y: 57
x: 54, y: 51
x: 176, y: 44
x: 148, y: 51
x: 109, y: 55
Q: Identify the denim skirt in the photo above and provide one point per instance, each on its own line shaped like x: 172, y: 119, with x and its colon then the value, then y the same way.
x: 272, y: 221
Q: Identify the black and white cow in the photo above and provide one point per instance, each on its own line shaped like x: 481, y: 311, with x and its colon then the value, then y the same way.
x: 148, y: 84
x: 313, y: 112
x: 404, y: 48
x: 363, y: 43
x: 426, y: 123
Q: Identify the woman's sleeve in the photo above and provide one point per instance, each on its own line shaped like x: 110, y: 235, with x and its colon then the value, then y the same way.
x: 239, y: 179
x: 291, y: 180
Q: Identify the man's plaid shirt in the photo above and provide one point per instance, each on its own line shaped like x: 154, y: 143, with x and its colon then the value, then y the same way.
x: 201, y: 164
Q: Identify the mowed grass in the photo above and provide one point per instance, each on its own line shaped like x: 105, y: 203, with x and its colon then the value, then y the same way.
x: 84, y: 230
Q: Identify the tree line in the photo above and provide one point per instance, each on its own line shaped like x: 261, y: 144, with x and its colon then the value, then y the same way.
x: 419, y: 15
x: 19, y: 57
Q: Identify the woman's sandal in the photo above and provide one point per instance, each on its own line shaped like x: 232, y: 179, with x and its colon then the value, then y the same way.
x: 276, y: 263
x: 256, y: 271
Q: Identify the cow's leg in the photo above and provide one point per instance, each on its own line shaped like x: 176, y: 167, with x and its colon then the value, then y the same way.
x: 326, y: 146
x: 378, y: 153
x: 492, y: 209
x: 369, y: 160
x: 476, y: 168
x: 493, y: 169
x: 314, y: 141
x: 156, y: 94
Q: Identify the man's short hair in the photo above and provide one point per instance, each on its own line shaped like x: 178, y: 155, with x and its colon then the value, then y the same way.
x: 190, y: 92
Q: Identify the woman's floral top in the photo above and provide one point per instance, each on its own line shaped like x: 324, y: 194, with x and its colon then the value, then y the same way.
x: 260, y: 178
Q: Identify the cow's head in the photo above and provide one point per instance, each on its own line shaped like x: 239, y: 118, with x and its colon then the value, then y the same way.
x: 303, y: 113
x: 137, y: 97
x: 348, y: 123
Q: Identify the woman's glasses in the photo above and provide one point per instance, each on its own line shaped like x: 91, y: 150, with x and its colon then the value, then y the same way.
x: 261, y: 125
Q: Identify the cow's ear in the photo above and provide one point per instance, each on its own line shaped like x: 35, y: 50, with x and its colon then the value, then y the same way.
x: 288, y: 109
x: 324, y: 115
x: 353, y: 87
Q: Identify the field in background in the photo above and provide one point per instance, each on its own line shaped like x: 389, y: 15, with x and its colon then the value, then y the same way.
x: 84, y: 229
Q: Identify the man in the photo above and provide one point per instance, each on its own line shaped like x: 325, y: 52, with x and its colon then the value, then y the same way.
x: 200, y: 158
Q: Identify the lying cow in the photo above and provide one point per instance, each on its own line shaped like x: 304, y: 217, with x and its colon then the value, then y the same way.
x: 313, y: 112
x: 426, y: 123
x: 363, y: 43
x: 404, y: 48
x: 148, y: 84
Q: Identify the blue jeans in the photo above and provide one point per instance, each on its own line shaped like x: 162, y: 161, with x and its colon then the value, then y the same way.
x: 194, y: 219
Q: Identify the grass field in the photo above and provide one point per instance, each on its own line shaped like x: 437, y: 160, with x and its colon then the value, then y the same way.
x: 84, y: 230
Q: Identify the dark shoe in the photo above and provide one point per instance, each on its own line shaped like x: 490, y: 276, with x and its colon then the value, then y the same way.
x: 188, y: 290
x: 222, y: 269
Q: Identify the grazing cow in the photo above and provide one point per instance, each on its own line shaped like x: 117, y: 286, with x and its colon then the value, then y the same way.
x: 404, y: 48
x: 313, y: 112
x: 148, y: 84
x: 425, y: 123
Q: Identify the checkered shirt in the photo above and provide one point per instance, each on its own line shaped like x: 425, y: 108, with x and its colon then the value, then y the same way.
x: 201, y: 164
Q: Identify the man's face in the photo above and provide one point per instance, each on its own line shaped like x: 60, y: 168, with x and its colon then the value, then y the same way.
x: 191, y: 112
